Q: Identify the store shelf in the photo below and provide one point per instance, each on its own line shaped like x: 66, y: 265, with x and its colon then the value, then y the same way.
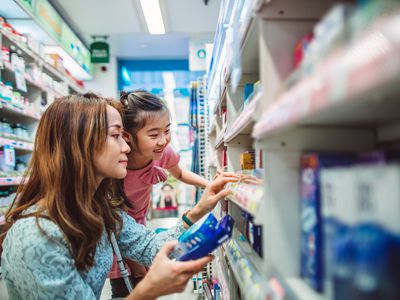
x: 28, y: 52
x: 221, y: 101
x: 8, y: 181
x: 213, y: 127
x: 19, y: 145
x: 244, y: 122
x: 220, y: 139
x: 47, y: 67
x: 13, y: 110
x: 357, y: 86
x: 31, y: 82
x: 207, y: 291
x: 222, y: 275
x: 247, y: 196
x: 244, y: 261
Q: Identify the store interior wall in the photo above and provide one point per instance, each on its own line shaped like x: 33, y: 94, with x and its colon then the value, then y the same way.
x: 104, y: 79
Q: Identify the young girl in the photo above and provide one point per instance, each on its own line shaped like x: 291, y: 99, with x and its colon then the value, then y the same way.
x: 147, y: 121
x: 56, y: 241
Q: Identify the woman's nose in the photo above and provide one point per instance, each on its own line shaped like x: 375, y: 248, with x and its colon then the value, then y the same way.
x: 125, y: 147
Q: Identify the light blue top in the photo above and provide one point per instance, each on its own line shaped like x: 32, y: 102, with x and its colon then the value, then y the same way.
x: 36, y: 267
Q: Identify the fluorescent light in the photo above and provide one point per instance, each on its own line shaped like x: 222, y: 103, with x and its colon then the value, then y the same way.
x: 152, y: 13
x: 69, y: 63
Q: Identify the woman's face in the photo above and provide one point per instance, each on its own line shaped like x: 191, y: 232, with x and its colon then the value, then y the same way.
x: 113, y: 160
x: 154, y: 137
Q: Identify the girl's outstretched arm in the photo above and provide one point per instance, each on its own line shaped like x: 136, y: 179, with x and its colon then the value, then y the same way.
x: 188, y: 177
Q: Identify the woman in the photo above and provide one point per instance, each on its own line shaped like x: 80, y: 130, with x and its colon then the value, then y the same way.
x: 56, y: 243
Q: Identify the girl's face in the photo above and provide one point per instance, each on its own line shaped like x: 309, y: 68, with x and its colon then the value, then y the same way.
x: 113, y: 160
x: 154, y: 137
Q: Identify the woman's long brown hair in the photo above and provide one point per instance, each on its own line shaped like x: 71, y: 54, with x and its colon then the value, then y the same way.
x: 71, y: 132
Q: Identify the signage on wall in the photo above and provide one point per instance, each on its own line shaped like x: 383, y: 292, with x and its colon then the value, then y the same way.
x: 197, y: 54
x: 100, y: 52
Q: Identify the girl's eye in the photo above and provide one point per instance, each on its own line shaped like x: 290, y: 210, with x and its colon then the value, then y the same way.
x: 116, y: 136
x: 167, y: 131
x: 154, y: 136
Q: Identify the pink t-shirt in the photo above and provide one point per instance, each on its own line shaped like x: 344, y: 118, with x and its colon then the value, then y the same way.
x: 138, y: 183
x: 137, y: 187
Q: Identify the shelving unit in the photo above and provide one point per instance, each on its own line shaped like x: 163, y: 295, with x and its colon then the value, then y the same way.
x: 25, y: 112
x: 348, y: 102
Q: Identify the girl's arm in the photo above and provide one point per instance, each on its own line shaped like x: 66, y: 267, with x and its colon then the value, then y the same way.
x: 188, y: 177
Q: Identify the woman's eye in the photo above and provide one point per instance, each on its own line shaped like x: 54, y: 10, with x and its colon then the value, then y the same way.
x: 116, y: 136
x: 154, y: 136
x: 167, y: 131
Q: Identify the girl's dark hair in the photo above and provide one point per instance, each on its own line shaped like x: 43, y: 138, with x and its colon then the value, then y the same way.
x: 139, y: 106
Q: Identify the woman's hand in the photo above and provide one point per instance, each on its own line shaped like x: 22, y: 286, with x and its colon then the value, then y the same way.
x: 166, y: 276
x: 214, y: 192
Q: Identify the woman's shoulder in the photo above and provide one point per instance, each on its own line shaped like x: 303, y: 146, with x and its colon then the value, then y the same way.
x: 34, y: 230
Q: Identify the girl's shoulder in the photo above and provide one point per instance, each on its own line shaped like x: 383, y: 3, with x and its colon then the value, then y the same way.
x: 169, y: 158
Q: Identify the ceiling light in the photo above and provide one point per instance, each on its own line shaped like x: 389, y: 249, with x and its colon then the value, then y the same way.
x: 152, y: 13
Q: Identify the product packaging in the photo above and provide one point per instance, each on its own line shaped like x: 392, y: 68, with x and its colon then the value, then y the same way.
x: 203, y: 237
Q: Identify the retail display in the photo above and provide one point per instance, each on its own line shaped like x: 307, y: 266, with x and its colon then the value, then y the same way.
x: 306, y: 87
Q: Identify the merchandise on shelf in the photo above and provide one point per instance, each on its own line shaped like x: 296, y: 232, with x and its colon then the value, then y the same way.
x: 311, y: 262
x: 7, y: 91
x: 248, y: 90
x: 7, y: 158
x: 248, y: 192
x: 301, y: 48
x: 253, y: 233
x: 247, y: 160
x: 361, y: 211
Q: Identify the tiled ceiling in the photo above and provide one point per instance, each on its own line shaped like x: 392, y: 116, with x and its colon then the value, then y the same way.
x: 123, y: 22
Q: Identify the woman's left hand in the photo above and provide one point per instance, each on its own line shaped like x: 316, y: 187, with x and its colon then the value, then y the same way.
x: 214, y: 192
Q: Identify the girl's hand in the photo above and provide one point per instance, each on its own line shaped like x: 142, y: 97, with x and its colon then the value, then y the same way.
x: 166, y: 276
x: 214, y: 192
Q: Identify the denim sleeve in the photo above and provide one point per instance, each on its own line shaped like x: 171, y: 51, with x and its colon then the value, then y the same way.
x: 140, y: 243
x: 38, y: 266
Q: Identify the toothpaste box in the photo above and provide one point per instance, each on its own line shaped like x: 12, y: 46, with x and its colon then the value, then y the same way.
x: 311, y: 263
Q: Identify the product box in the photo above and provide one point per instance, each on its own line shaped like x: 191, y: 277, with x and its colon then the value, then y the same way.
x: 377, y: 234
x: 203, y: 237
x: 311, y: 265
x: 247, y: 160
x: 339, y: 217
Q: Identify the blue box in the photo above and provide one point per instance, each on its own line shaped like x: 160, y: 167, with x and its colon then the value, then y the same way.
x: 203, y: 237
x: 311, y: 265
